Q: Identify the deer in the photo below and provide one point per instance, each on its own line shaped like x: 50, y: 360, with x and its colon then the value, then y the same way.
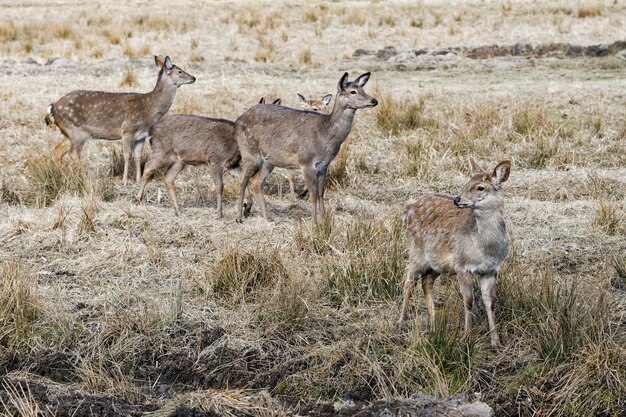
x: 82, y: 115
x: 315, y: 105
x: 179, y: 140
x: 465, y: 235
x: 275, y: 136
x: 262, y: 101
x: 319, y: 106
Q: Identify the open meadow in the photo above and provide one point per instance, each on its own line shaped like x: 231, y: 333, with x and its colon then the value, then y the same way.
x: 109, y: 307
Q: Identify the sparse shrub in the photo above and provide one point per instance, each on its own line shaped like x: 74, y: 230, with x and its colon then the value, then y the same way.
x: 237, y: 274
x: 18, y: 304
x: 8, y: 31
x: 310, y: 16
x: 111, y: 37
x: 63, y: 31
x: 265, y: 52
x: 371, y: 265
x: 86, y: 226
x: 387, y: 21
x: 394, y: 117
x: 588, y: 11
x: 608, y: 218
x: 442, y: 358
x: 48, y: 179
x: 314, y: 239
x: 417, y: 23
x: 27, y: 47
x: 354, y: 18
x: 129, y: 51
x: 8, y: 194
x: 306, y: 57
x: 129, y: 79
x: 286, y: 306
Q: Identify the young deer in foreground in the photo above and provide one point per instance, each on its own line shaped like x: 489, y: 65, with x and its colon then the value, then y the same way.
x: 179, y: 140
x: 82, y: 115
x: 275, y: 136
x: 465, y: 235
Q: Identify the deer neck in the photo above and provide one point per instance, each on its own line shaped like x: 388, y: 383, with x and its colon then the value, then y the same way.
x: 489, y: 225
x: 159, y: 100
x: 339, y: 124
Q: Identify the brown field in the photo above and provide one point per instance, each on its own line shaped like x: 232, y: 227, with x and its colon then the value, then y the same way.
x: 112, y: 308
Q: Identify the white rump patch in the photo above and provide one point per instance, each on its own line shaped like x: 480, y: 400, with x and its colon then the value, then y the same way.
x: 50, y: 114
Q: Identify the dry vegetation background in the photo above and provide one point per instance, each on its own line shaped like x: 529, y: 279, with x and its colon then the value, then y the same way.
x: 101, y: 298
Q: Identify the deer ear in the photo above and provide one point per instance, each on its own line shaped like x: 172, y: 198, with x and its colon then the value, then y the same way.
x: 326, y: 99
x: 277, y: 101
x: 501, y: 172
x: 302, y: 100
x: 363, y: 78
x: 262, y: 101
x: 168, y: 63
x: 159, y: 61
x: 474, y: 167
x: 343, y: 82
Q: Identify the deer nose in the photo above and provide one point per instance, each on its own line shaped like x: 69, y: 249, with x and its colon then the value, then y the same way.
x: 374, y: 101
x: 193, y: 79
x: 457, y: 200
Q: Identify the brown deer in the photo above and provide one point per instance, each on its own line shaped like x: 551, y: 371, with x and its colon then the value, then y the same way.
x: 315, y: 105
x: 82, y: 115
x: 275, y: 136
x: 465, y: 235
x: 319, y: 106
x: 179, y: 140
x: 262, y: 101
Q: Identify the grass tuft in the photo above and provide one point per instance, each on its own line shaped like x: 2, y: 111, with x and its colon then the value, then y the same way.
x: 394, y: 117
x: 49, y: 179
x: 608, y: 218
x: 371, y: 262
x: 237, y: 274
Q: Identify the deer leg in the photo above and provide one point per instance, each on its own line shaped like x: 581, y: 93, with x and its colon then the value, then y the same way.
x: 291, y: 177
x: 170, y: 176
x: 466, y: 287
x: 127, y: 148
x: 310, y: 178
x: 152, y: 166
x: 137, y: 151
x: 219, y: 188
x: 409, y: 286
x: 428, y: 282
x: 321, y: 188
x: 62, y: 149
x: 248, y: 205
x: 488, y: 290
x: 257, y: 185
x: 248, y: 170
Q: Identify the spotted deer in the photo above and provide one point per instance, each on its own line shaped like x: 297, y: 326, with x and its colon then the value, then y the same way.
x: 83, y: 115
x: 275, y: 136
x: 465, y: 235
x: 179, y: 140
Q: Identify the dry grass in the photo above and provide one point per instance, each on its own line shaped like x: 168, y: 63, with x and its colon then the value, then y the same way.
x: 189, y: 314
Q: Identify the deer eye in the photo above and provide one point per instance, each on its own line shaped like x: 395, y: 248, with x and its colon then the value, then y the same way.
x: 480, y: 188
x: 180, y: 72
x: 352, y: 92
